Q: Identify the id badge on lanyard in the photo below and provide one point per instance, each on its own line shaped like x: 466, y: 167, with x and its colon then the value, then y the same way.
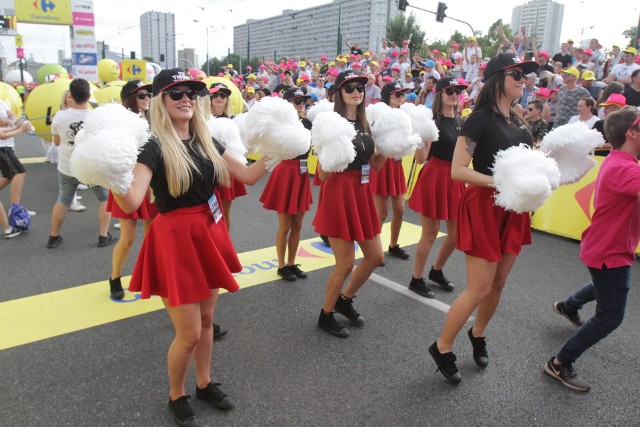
x: 303, y: 166
x: 364, y: 174
x: 214, y: 206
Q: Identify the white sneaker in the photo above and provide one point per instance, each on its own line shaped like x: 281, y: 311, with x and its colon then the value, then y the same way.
x: 11, y: 233
x: 78, y: 197
x: 77, y: 207
x: 31, y: 213
x: 82, y: 187
x: 116, y: 225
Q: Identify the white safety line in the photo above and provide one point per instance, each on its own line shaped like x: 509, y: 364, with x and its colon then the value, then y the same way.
x: 434, y: 303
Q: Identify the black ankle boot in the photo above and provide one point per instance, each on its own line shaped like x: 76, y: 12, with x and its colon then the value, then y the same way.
x: 327, y: 322
x: 344, y: 306
x: 116, y: 288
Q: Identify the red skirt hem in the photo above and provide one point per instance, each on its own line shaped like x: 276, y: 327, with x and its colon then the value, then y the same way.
x: 147, y: 209
x: 487, y: 231
x: 288, y: 191
x: 346, y: 209
x: 237, y: 189
x: 390, y: 180
x: 184, y: 255
x: 435, y: 194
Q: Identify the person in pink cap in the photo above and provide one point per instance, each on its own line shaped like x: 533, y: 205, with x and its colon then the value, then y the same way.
x: 357, y: 67
x: 542, y: 58
x: 585, y: 61
x: 454, y: 51
x: 394, y: 56
x: 543, y: 95
x: 396, y: 72
x: 324, y: 65
x: 405, y: 46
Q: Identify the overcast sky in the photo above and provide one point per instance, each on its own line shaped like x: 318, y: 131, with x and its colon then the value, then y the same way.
x: 118, y: 22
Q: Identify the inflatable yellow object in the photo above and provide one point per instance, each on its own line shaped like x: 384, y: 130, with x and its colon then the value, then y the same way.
x: 237, y: 104
x: 109, y: 93
x: 108, y: 70
x: 11, y: 96
x: 50, y: 72
x: 44, y: 101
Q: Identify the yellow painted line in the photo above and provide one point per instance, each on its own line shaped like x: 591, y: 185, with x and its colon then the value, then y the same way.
x: 29, y: 160
x: 51, y: 314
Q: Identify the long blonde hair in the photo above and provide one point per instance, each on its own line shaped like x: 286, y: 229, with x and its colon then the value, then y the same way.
x: 177, y: 163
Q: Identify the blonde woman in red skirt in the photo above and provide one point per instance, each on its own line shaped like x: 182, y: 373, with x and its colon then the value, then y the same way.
x: 288, y: 192
x: 221, y: 107
x: 389, y: 183
x: 187, y: 254
x: 490, y: 236
x: 436, y: 196
x: 346, y: 211
x: 135, y: 96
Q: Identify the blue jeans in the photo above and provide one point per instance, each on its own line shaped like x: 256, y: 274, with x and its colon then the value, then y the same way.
x: 581, y: 297
x: 611, y: 286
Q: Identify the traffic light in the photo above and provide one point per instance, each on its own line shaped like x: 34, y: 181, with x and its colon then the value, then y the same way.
x: 402, y: 5
x: 440, y: 15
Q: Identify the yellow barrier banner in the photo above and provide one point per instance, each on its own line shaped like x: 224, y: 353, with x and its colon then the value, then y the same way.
x: 134, y: 69
x: 52, y: 12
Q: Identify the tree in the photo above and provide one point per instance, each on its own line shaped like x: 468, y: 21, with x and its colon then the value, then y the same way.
x: 148, y: 59
x: 403, y: 27
x: 632, y: 35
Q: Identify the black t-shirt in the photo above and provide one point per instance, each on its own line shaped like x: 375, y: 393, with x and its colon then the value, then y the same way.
x: 307, y: 124
x: 364, y: 148
x: 356, y: 51
x: 449, y: 129
x: 633, y: 96
x: 565, y: 59
x: 202, y: 184
x: 491, y: 132
x: 545, y: 67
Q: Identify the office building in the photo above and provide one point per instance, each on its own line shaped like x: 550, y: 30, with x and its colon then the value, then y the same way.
x: 312, y: 32
x: 158, y: 36
x: 542, y: 18
x: 187, y: 58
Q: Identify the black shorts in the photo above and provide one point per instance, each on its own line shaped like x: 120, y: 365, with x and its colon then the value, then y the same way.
x: 10, y: 166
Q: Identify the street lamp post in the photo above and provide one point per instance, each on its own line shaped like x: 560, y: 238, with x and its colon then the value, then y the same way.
x: 207, y: 30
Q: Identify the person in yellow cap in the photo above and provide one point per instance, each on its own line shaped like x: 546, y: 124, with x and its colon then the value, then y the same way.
x: 568, y: 96
x: 250, y: 96
x: 586, y: 81
x: 471, y: 49
x: 621, y: 73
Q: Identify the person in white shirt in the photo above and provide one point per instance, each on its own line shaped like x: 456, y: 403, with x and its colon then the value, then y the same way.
x: 372, y: 92
x: 65, y: 126
x: 587, y: 112
x: 471, y: 49
x: 622, y: 72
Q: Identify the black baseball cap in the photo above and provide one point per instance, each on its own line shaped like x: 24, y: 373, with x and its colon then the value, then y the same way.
x: 347, y: 77
x: 219, y: 87
x: 504, y: 61
x: 294, y: 93
x: 132, y: 87
x: 447, y: 82
x: 175, y: 77
x: 390, y: 88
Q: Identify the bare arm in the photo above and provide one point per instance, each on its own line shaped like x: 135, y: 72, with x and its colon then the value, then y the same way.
x: 133, y: 199
x: 56, y: 140
x: 422, y: 154
x: 11, y: 132
x: 377, y: 160
x: 321, y: 173
x: 245, y: 174
x: 462, y: 157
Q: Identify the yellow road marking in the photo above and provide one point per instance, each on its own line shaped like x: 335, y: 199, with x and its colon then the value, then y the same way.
x: 51, y: 314
x: 28, y: 160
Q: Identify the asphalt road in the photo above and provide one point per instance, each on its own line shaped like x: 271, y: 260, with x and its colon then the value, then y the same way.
x: 280, y: 368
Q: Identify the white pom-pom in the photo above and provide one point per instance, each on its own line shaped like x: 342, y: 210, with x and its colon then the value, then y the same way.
x: 572, y: 146
x: 393, y: 135
x: 227, y: 133
x: 375, y: 110
x: 241, y: 121
x: 106, y: 149
x: 272, y: 127
x: 332, y: 135
x: 321, y: 107
x: 422, y: 121
x: 524, y: 178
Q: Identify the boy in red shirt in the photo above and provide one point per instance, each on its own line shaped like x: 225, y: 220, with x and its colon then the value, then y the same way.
x: 607, y: 249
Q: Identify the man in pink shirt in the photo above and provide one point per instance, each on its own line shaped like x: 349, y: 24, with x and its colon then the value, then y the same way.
x: 607, y: 249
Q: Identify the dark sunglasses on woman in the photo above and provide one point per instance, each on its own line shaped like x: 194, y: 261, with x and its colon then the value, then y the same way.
x: 450, y: 91
x: 517, y: 75
x: 298, y: 101
x: 143, y: 95
x: 399, y: 94
x: 351, y: 88
x: 177, y: 94
x: 219, y: 95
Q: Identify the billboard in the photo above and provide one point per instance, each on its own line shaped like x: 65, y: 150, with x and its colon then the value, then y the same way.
x: 52, y: 12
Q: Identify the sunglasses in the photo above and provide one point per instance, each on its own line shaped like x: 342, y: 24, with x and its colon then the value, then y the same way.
x: 177, y: 94
x: 143, y: 95
x: 450, y: 91
x: 517, y: 75
x: 298, y: 101
x: 351, y: 88
x: 399, y: 94
x: 219, y: 95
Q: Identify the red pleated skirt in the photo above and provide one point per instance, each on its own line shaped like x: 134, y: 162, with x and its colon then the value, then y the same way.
x: 237, y: 189
x: 316, y: 179
x: 487, y: 231
x: 147, y: 210
x: 184, y: 255
x: 288, y: 191
x: 346, y: 209
x: 390, y: 180
x: 435, y: 194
